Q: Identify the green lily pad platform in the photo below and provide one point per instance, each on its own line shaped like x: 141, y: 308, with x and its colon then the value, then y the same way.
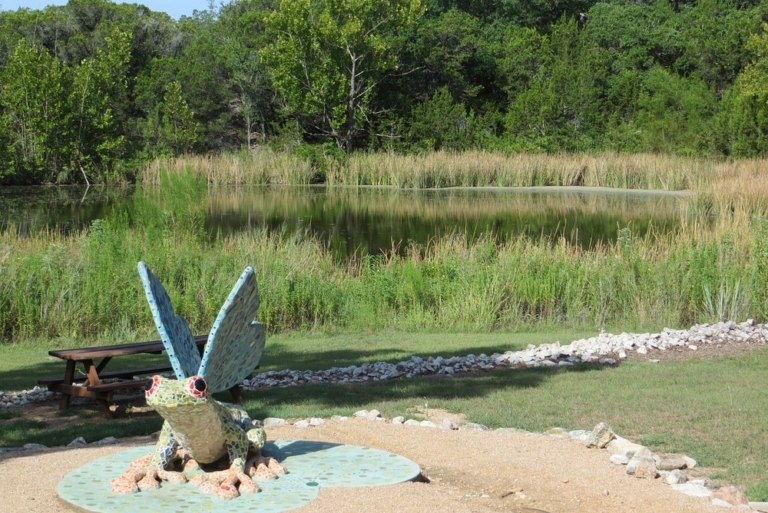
x: 311, y: 466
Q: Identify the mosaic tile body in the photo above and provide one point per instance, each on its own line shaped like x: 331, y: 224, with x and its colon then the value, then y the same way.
x: 207, y: 429
x: 235, y: 342
x: 174, y: 330
x: 194, y: 421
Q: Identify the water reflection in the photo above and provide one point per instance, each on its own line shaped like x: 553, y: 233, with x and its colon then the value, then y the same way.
x: 30, y: 209
x: 371, y: 220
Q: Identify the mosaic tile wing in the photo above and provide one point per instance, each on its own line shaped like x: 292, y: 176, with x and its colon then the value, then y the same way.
x: 174, y: 331
x: 236, y: 342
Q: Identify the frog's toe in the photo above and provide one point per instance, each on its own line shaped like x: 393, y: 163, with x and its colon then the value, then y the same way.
x: 191, y: 464
x: 248, y: 485
x: 125, y: 484
x: 275, y: 466
x: 227, y: 490
x: 172, y: 476
x: 207, y: 483
x: 265, y: 467
x: 150, y: 481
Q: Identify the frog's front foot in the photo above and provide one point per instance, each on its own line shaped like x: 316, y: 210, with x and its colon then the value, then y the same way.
x: 225, y: 484
x: 143, y: 476
x: 265, y: 467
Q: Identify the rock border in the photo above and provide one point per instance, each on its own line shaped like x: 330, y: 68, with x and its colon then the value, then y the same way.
x: 603, y: 349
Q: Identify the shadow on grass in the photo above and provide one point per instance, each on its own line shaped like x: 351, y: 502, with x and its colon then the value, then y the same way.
x: 20, y: 431
x: 322, y: 400
x: 291, y: 402
x: 280, y: 356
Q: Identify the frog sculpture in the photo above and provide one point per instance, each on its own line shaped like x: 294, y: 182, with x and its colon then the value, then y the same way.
x: 198, y: 430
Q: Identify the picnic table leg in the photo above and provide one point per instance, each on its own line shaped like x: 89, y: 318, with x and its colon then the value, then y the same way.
x: 103, y: 401
x: 237, y: 394
x: 92, y: 371
x: 69, y: 377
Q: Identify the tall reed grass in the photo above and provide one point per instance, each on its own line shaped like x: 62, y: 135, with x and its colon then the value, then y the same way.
x: 84, y: 286
x: 488, y: 169
x: 466, y: 169
x: 260, y: 167
x: 722, y: 185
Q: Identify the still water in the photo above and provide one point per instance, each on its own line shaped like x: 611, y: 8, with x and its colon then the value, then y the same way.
x: 357, y: 221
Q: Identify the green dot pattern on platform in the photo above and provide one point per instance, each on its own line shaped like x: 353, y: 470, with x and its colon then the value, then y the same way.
x: 311, y: 466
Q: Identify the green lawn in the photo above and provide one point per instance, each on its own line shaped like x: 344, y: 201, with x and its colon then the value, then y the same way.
x: 713, y: 410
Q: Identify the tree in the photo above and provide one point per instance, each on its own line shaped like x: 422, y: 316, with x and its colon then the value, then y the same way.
x: 560, y: 108
x: 252, y: 98
x: 716, y: 36
x: 34, y: 108
x: 326, y: 58
x: 747, y: 103
x: 99, y: 88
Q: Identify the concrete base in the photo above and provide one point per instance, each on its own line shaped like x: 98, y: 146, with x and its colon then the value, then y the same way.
x: 311, y: 466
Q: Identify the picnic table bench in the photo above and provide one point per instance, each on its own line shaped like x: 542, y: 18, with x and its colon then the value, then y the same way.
x: 95, y: 359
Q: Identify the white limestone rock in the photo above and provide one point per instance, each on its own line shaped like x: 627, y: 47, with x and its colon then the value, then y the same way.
x: 623, y: 447
x: 676, y: 477
x: 693, y: 489
x: 619, y: 459
x: 449, y: 424
x: 601, y: 436
x: 271, y: 422
x: 34, y: 447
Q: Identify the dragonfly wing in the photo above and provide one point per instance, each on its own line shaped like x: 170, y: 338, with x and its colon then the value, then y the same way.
x: 236, y: 342
x: 174, y: 331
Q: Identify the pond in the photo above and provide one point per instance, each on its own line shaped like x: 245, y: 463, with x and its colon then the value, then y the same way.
x: 358, y: 221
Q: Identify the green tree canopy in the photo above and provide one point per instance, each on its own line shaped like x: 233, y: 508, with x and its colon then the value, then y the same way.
x: 326, y: 58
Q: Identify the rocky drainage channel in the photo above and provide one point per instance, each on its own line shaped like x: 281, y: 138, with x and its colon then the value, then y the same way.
x: 605, y: 349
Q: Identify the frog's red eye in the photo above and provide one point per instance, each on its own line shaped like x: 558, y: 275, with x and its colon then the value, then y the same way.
x: 152, y: 386
x: 197, y: 386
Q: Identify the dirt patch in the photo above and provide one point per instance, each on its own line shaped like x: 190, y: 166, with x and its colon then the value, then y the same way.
x: 464, y: 471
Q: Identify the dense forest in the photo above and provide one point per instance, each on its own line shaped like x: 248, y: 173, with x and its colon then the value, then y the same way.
x: 92, y: 90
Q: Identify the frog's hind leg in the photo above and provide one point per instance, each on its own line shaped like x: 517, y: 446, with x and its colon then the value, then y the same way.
x: 147, y: 472
x: 265, y: 467
x: 261, y: 466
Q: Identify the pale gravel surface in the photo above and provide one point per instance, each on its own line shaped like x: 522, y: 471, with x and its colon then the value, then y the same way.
x: 470, y: 471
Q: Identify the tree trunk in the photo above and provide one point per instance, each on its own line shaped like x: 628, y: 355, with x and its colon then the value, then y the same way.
x: 348, y: 133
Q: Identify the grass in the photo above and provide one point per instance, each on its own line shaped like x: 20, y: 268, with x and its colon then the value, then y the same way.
x: 725, y: 184
x: 84, y: 286
x: 712, y: 410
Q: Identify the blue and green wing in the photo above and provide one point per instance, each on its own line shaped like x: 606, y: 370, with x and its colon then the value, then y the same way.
x: 174, y: 331
x: 236, y: 342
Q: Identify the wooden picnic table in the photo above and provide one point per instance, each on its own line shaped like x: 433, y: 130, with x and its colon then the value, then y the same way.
x: 95, y: 359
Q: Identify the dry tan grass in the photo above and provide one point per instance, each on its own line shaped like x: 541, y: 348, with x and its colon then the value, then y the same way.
x: 729, y: 195
x: 244, y: 168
